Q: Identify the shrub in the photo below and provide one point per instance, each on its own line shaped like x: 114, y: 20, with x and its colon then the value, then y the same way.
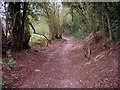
x: 12, y: 63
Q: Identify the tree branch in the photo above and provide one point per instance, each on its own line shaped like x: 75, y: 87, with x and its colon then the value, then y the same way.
x: 39, y: 33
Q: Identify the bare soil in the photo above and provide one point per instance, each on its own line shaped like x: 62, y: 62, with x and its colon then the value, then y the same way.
x: 63, y: 65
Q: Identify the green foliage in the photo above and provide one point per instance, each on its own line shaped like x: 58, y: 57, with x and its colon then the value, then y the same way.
x: 58, y: 36
x: 1, y: 84
x: 37, y: 40
x: 40, y: 26
x: 94, y: 17
x: 1, y: 62
x: 33, y: 11
x: 36, y: 37
x: 50, y: 12
x: 115, y: 29
x: 12, y: 63
x: 74, y: 28
x: 9, y: 53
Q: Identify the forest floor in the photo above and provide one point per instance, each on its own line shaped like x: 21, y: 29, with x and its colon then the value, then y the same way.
x: 63, y: 65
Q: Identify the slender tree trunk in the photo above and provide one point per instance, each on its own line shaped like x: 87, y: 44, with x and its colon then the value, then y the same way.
x: 6, y: 14
x: 94, y: 24
x: 108, y: 21
x: 3, y: 41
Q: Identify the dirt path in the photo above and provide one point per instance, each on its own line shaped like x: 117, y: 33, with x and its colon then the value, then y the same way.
x: 65, y: 67
x: 56, y: 72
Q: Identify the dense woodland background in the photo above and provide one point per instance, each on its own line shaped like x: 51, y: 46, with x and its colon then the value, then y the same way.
x: 75, y: 19
x: 35, y: 24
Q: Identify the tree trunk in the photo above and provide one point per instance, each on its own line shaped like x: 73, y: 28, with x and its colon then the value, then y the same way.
x: 94, y: 24
x: 6, y: 14
x: 3, y: 41
x: 20, y: 32
x: 25, y: 25
x: 16, y: 32
x: 108, y: 21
